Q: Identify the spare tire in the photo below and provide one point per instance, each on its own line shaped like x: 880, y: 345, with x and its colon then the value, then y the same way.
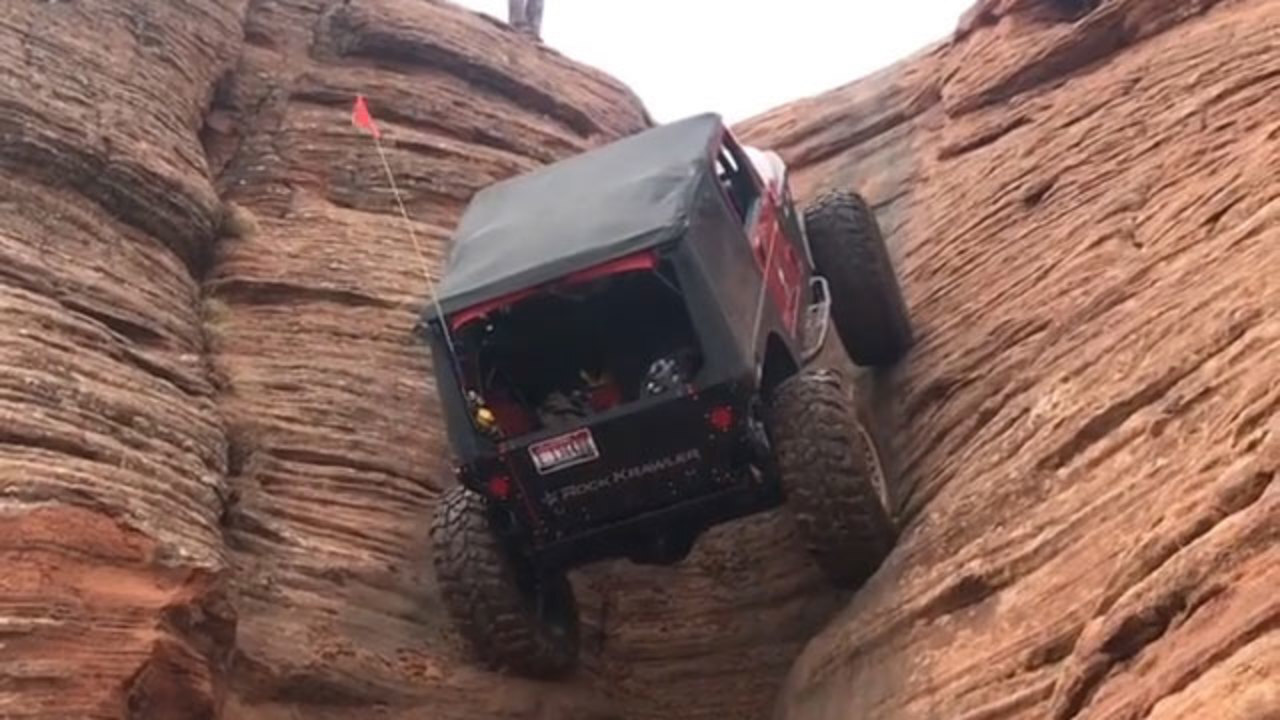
x: 831, y: 474
x: 512, y: 618
x: 867, y: 307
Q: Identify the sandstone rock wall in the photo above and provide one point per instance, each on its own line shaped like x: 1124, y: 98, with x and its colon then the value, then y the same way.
x: 1085, y: 205
x: 338, y: 447
x: 112, y: 449
x: 217, y: 448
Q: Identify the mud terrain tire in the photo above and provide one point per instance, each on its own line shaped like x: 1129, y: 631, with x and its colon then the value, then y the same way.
x: 832, y: 476
x: 510, y: 620
x: 866, y: 300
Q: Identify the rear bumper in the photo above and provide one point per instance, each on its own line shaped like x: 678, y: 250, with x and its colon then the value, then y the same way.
x: 678, y: 524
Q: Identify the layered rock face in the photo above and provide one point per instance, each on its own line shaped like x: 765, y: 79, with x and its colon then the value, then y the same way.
x: 337, y: 448
x: 1084, y: 203
x: 112, y: 450
x: 219, y: 448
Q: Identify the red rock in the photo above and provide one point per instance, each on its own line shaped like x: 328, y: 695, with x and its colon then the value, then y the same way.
x: 218, y: 456
x: 1087, y: 218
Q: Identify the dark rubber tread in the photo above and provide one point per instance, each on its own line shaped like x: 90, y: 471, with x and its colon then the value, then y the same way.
x: 867, y: 307
x: 830, y: 476
x: 496, y: 615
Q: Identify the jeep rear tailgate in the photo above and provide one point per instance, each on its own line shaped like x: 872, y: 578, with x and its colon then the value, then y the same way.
x: 654, y: 454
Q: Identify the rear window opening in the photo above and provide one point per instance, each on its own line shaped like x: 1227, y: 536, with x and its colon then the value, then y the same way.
x: 555, y: 358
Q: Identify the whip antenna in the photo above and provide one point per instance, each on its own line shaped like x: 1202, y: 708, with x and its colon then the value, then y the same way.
x: 361, y: 118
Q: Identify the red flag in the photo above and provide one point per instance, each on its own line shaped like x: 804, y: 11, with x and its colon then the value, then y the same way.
x: 361, y: 118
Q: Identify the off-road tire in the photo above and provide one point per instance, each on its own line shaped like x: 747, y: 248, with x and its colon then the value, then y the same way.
x: 832, y: 476
x: 495, y: 608
x: 867, y: 307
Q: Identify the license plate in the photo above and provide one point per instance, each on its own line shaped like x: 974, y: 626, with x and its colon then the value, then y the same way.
x: 564, y: 451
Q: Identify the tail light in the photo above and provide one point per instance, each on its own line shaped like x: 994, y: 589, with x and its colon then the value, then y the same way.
x: 500, y: 487
x: 720, y: 418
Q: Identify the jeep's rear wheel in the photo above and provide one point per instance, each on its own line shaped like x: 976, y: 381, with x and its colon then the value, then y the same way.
x: 831, y: 473
x: 510, y: 617
x: 867, y: 307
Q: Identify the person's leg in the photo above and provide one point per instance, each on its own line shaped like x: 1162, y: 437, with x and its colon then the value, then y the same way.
x: 516, y: 13
x: 533, y: 16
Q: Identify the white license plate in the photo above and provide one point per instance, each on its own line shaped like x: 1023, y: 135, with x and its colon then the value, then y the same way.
x: 564, y: 451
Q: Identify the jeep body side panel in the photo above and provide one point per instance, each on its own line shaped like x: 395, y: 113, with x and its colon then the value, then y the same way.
x: 790, y: 220
x: 734, y: 256
x: 783, y: 266
x: 779, y: 247
x: 724, y: 358
x: 727, y: 285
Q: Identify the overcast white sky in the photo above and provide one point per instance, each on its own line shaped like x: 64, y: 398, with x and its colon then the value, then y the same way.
x: 737, y: 57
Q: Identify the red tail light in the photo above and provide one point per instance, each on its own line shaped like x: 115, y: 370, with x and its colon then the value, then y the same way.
x: 721, y: 418
x: 500, y: 487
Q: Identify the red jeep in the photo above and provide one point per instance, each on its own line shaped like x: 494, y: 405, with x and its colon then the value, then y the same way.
x: 627, y: 363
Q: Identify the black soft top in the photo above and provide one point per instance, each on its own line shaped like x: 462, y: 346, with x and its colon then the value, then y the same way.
x: 608, y: 202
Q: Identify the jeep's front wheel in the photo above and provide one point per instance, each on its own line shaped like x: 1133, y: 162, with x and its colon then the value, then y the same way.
x: 511, y: 618
x: 832, y: 476
x: 867, y: 307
